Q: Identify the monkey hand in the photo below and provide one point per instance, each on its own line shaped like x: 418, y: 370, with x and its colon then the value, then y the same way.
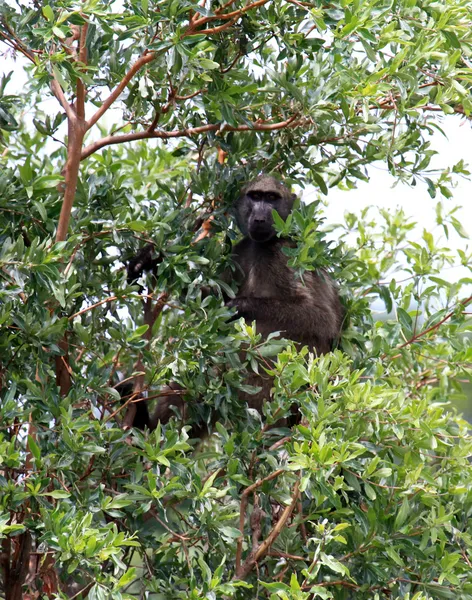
x: 241, y: 305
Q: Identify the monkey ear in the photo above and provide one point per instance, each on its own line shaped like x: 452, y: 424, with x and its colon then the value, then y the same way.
x: 294, y: 197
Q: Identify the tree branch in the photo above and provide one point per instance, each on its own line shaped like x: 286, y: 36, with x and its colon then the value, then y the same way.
x: 421, y: 334
x: 75, y: 140
x: 261, y: 551
x: 15, y: 41
x: 227, y: 16
x: 143, y: 60
x: 242, y: 512
x: 58, y: 92
x: 193, y: 131
x: 80, y: 83
x: 225, y: 6
x: 213, y: 30
x: 92, y: 306
x: 177, y: 97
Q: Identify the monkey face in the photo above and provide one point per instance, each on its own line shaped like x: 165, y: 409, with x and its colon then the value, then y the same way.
x: 260, y: 221
x: 256, y: 203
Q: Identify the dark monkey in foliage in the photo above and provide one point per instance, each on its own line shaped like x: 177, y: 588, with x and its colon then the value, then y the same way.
x: 269, y: 293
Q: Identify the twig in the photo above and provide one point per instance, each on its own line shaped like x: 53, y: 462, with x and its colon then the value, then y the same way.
x: 286, y: 555
x: 84, y: 310
x: 421, y: 334
x: 177, y: 97
x: 213, y: 30
x: 279, y: 443
x: 178, y: 536
x: 227, y: 16
x: 17, y: 43
x: 238, y: 56
x: 57, y: 91
x: 262, y: 550
x: 242, y: 512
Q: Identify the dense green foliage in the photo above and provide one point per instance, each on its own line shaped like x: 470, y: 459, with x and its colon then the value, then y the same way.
x: 370, y: 496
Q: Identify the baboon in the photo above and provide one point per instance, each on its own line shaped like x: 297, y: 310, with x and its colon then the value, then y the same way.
x: 308, y: 312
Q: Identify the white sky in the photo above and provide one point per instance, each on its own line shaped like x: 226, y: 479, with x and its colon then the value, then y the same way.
x: 415, y: 201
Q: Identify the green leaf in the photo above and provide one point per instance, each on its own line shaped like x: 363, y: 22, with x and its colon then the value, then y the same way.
x: 334, y: 564
x: 138, y: 333
x: 59, y: 33
x: 402, y: 514
x: 48, y: 12
x: 459, y: 228
x: 393, y: 554
x: 320, y: 592
x: 405, y: 319
x: 57, y: 494
x: 126, y: 578
x: 34, y: 448
x: 320, y: 181
x: 451, y: 38
x: 208, y: 64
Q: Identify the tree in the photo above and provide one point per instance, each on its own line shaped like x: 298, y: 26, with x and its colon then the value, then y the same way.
x: 369, y: 497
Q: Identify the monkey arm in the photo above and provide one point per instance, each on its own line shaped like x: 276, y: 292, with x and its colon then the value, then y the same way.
x: 295, y: 317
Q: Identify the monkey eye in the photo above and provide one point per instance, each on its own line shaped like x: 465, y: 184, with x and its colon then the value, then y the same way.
x: 271, y: 197
x: 256, y: 196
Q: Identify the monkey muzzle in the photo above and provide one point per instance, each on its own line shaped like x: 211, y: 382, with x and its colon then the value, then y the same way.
x: 261, y: 233
x: 261, y: 226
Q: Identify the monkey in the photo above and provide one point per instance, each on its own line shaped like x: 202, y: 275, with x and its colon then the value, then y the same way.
x: 145, y: 260
x: 308, y: 312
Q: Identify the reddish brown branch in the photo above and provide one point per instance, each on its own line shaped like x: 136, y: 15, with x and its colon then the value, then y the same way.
x: 177, y: 97
x: 227, y: 16
x: 242, y: 512
x: 82, y: 45
x: 58, y: 92
x: 261, y: 551
x: 16, y: 43
x: 84, y: 310
x: 80, y: 83
x: 233, y: 62
x: 130, y: 400
x: 74, y: 146
x: 224, y: 7
x: 421, y: 334
x: 213, y: 30
x: 193, y: 131
x: 143, y: 60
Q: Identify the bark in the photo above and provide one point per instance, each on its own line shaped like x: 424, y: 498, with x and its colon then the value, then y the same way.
x: 18, y: 569
x: 74, y: 149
